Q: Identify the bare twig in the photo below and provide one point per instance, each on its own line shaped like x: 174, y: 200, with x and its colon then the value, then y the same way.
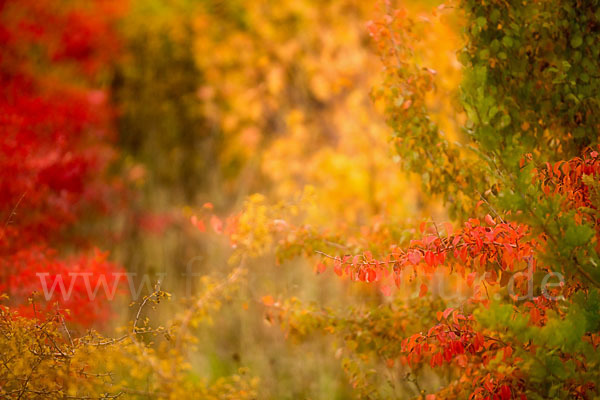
x: 185, y: 321
x: 13, y: 211
x: 64, y: 325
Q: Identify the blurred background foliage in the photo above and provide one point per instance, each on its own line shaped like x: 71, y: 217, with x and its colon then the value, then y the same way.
x: 215, y: 101
x: 220, y: 99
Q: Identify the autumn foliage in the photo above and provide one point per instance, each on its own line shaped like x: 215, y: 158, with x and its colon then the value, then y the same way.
x: 525, y: 218
x: 56, y: 143
x: 486, y: 287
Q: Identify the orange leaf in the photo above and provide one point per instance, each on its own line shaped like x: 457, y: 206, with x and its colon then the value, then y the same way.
x: 474, y: 221
x: 423, y: 290
x: 471, y: 278
x: 268, y: 300
x: 556, y: 169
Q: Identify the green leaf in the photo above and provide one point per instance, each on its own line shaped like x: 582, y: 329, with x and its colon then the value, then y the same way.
x: 578, y: 235
x: 504, y: 121
x: 507, y: 41
x: 576, y: 41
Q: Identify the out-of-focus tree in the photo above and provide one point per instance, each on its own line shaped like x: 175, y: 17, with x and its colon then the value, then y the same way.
x: 55, y: 144
x: 220, y: 99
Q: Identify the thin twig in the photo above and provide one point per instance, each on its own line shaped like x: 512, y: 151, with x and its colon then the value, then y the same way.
x: 233, y: 276
x: 62, y: 320
x: 13, y: 212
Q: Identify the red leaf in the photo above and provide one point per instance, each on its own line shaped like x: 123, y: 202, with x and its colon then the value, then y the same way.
x: 321, y: 267
x: 463, y: 254
x: 505, y: 393
x: 371, y: 275
x: 456, y: 240
x: 362, y: 275
x: 429, y: 259
x: 414, y: 257
x: 488, y: 386
x: 448, y: 354
x: 429, y: 239
x: 447, y: 312
x: 337, y: 268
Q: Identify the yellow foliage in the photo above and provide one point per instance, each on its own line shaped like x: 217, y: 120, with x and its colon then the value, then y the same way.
x: 289, y: 86
x: 41, y: 358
